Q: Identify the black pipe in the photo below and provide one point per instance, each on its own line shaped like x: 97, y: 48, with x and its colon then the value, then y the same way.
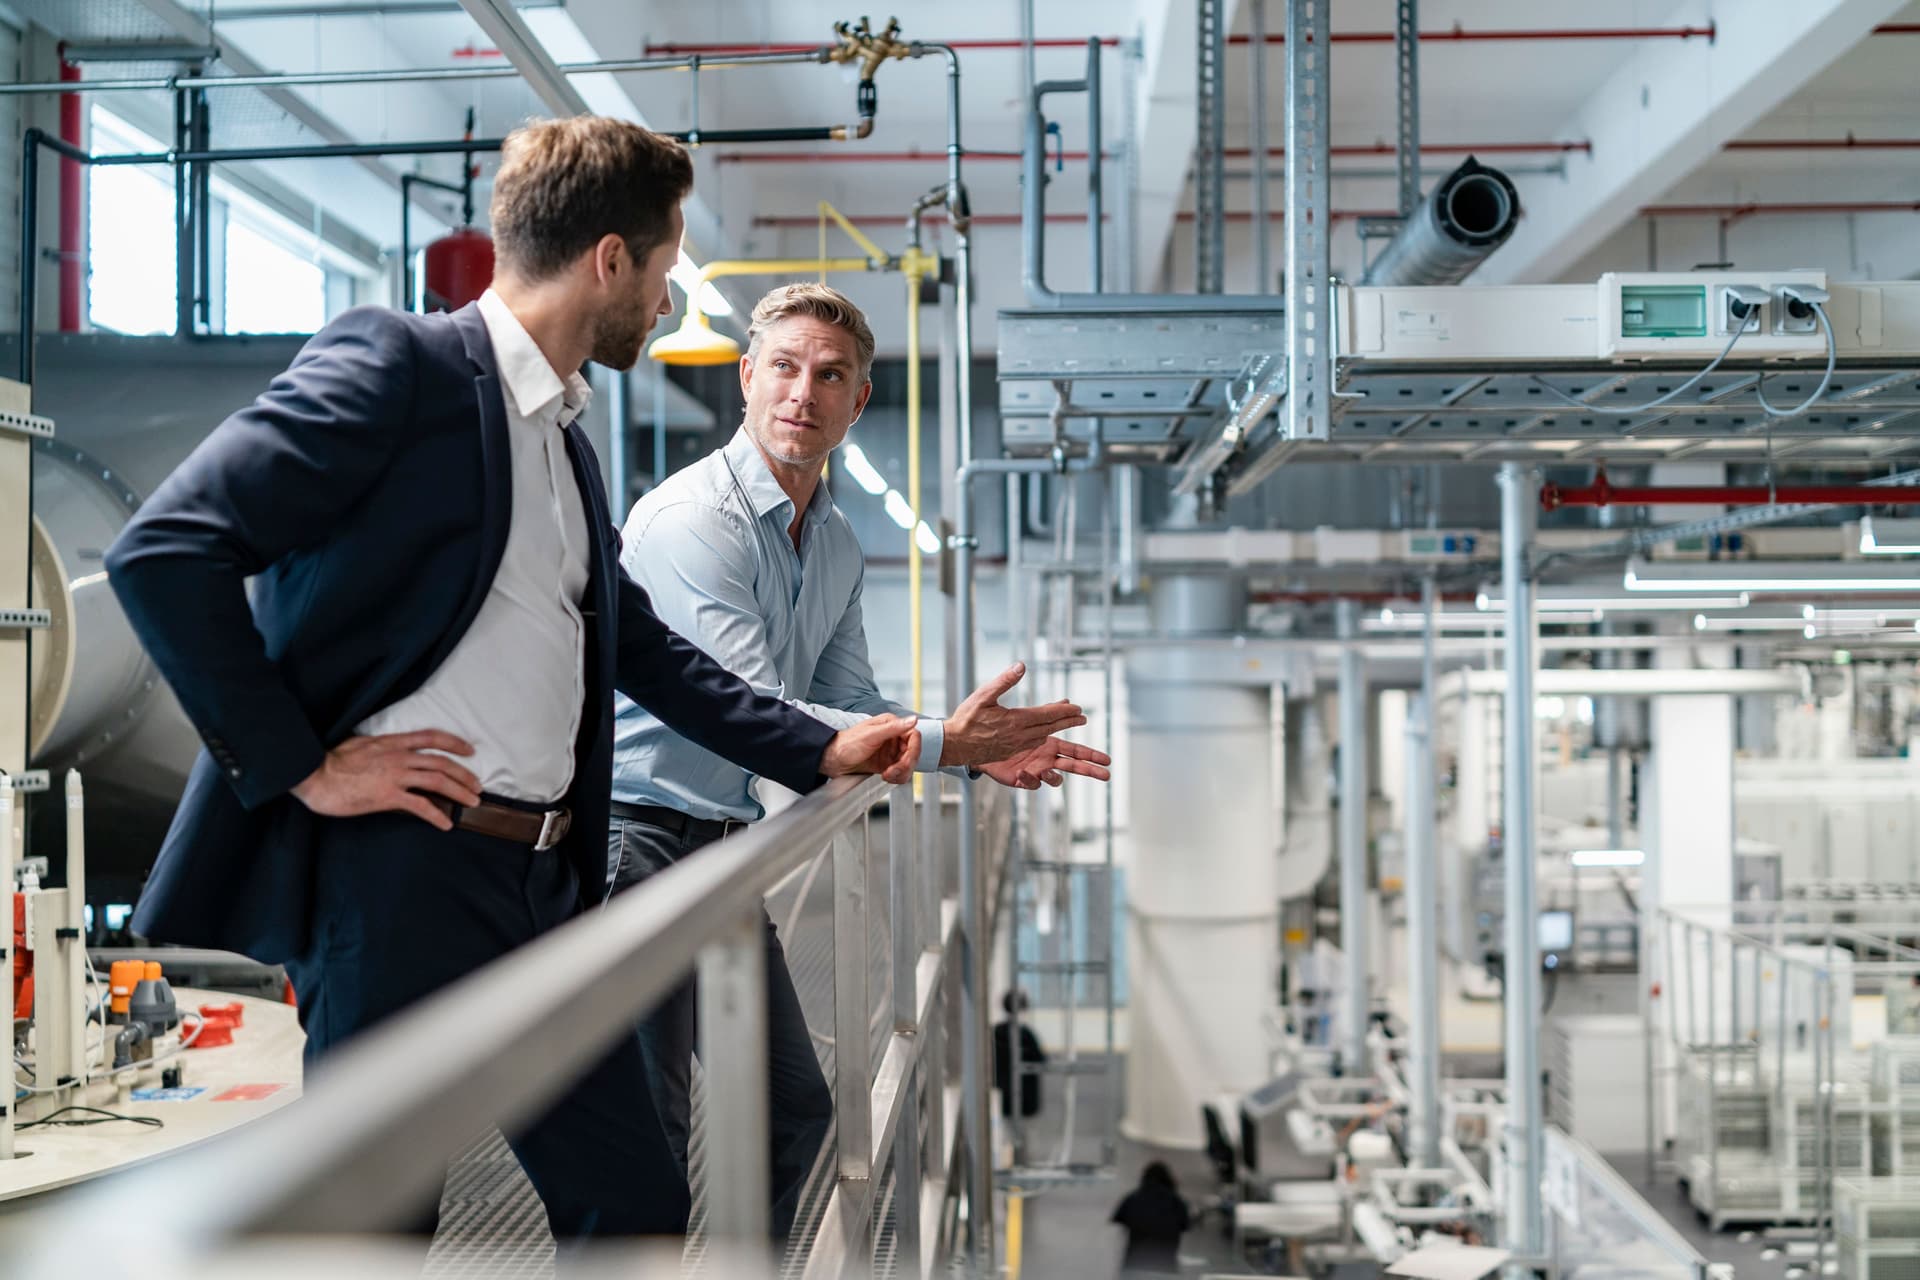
x: 29, y: 243
x: 407, y: 182
x: 867, y: 105
x: 182, y: 228
x: 702, y: 137
x: 201, y: 215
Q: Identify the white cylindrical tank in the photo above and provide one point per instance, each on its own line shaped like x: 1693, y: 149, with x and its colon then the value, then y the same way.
x: 96, y: 696
x: 1203, y: 929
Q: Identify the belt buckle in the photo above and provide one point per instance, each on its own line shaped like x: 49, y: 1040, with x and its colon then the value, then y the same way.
x: 553, y: 829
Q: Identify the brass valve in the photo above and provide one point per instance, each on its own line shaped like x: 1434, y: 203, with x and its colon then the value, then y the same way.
x: 859, y: 44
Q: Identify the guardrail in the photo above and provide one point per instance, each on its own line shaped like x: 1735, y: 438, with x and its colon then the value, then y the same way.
x: 1600, y: 1226
x: 381, y: 1118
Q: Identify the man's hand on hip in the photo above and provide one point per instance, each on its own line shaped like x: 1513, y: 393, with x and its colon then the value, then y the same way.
x: 386, y: 774
x: 1048, y: 763
x: 981, y: 731
x: 886, y: 745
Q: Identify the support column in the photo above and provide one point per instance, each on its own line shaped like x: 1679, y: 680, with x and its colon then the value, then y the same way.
x: 1423, y: 918
x: 1353, y: 837
x: 1525, y: 1146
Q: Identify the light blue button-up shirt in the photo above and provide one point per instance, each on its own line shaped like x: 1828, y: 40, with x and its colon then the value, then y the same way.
x: 710, y: 545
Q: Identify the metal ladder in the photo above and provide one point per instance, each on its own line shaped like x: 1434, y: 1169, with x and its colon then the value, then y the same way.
x: 1060, y: 934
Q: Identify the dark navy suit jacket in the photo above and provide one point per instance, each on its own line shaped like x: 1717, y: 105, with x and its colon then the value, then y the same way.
x: 367, y: 495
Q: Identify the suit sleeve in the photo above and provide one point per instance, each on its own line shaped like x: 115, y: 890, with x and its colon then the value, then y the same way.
x: 269, y: 481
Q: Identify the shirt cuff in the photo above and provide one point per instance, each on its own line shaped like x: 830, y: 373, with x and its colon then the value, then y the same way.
x: 933, y: 740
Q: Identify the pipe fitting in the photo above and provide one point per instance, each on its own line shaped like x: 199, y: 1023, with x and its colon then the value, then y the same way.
x: 859, y: 44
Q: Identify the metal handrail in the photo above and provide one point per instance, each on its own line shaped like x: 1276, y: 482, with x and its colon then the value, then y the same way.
x: 374, y: 1133
x: 1574, y: 1168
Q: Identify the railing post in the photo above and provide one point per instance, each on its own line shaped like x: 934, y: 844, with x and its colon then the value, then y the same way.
x: 852, y: 1049
x: 733, y: 1033
x: 903, y: 862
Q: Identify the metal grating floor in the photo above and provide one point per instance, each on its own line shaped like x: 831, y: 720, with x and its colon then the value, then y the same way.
x: 493, y: 1226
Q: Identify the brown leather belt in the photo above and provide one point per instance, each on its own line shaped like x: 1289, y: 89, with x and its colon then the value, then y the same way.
x: 541, y: 828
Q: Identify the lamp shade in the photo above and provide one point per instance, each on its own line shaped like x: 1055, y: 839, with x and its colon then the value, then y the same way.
x: 694, y: 343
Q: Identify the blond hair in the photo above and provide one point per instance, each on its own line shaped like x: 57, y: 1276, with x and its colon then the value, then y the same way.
x: 818, y: 302
x: 564, y: 184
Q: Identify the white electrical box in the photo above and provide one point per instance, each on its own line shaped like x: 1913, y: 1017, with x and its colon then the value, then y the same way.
x: 1695, y: 314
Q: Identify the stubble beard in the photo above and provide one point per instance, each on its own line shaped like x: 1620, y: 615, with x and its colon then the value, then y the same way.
x: 617, y: 339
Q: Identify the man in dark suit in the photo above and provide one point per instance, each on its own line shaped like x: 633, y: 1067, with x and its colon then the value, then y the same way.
x: 408, y: 727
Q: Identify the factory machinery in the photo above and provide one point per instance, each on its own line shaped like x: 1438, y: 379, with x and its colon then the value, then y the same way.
x: 1263, y: 783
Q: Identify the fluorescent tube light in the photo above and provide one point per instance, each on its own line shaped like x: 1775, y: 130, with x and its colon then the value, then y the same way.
x: 1887, y: 536
x: 928, y: 540
x: 686, y: 274
x: 1776, y: 576
x: 899, y: 509
x: 854, y: 460
x: 1554, y: 600
x: 1609, y: 857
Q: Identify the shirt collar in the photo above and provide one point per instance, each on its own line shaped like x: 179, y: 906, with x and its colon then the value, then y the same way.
x: 536, y: 389
x: 763, y: 492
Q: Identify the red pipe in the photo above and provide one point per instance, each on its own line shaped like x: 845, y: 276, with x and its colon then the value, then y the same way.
x: 72, y: 252
x: 1602, y: 494
x: 1013, y: 219
x: 1232, y: 153
x: 728, y: 50
x: 1457, y: 34
x: 1735, y: 212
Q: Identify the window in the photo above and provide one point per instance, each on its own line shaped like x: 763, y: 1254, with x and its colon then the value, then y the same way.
x: 270, y: 277
x: 270, y: 288
x: 130, y: 241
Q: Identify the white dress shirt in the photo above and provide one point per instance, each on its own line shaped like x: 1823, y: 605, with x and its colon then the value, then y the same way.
x: 515, y: 684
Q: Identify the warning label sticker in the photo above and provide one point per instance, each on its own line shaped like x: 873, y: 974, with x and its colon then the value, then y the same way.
x: 168, y: 1095
x: 248, y: 1092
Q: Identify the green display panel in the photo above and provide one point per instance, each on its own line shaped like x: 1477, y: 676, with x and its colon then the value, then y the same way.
x: 1663, y: 311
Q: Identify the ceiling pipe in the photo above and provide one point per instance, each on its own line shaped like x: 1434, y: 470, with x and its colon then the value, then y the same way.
x: 1732, y: 213
x: 1466, y: 217
x: 1077, y: 157
x: 1053, y: 219
x: 1603, y: 494
x: 1455, y: 35
x: 1848, y: 143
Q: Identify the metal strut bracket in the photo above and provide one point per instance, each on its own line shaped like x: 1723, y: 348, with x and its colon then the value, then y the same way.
x: 1308, y: 407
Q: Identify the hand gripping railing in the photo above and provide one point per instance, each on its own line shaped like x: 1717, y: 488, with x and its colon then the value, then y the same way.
x: 373, y: 1135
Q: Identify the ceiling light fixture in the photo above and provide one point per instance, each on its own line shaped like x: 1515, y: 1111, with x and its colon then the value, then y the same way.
x: 1766, y: 576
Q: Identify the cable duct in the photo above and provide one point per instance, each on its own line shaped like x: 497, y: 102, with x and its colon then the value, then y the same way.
x: 1462, y: 221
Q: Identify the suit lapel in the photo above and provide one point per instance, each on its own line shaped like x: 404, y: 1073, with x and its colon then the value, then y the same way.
x: 496, y: 467
x: 601, y: 585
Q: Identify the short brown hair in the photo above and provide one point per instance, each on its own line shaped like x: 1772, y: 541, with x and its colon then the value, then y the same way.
x: 818, y: 302
x: 563, y: 184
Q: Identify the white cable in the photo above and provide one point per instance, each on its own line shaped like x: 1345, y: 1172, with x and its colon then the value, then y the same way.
x: 1617, y: 412
x: 1819, y: 392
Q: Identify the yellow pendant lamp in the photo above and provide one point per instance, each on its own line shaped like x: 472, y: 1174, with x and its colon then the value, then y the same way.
x: 694, y: 343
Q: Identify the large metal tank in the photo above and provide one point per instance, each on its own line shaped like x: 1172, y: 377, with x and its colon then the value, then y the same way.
x: 1204, y: 888
x: 125, y: 411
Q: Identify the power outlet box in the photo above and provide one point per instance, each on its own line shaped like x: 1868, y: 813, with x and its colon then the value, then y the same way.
x: 1684, y: 315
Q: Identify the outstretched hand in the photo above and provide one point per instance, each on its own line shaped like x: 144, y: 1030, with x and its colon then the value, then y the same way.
x: 1049, y: 763
x: 887, y: 745
x: 981, y: 731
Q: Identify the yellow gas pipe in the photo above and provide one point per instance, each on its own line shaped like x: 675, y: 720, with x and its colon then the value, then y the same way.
x: 696, y: 343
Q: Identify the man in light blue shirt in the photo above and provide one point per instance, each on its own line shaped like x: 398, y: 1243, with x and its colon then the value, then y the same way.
x: 745, y: 554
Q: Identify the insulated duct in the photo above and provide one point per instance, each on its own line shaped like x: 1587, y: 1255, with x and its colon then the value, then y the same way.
x: 95, y: 694
x: 1462, y: 221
